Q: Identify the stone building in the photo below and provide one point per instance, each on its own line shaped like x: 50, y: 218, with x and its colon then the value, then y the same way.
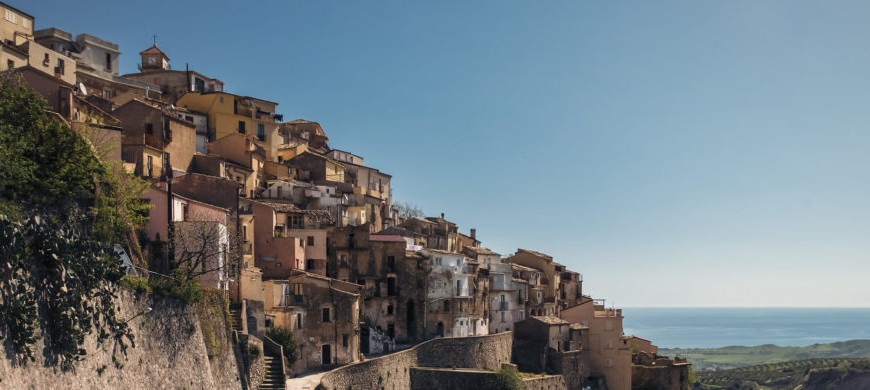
x: 548, y: 280
x: 550, y: 344
x: 434, y: 232
x: 456, y: 296
x: 530, y: 291
x: 155, y: 69
x: 277, y: 253
x: 303, y: 132
x: 506, y: 293
x: 392, y: 278
x: 97, y: 64
x: 608, y: 352
x: 322, y: 313
x: 288, y: 237
x: 154, y: 136
x: 241, y: 158
x: 651, y: 371
x: 370, y: 188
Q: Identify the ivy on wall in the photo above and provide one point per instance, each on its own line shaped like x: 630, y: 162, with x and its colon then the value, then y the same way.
x: 57, y: 283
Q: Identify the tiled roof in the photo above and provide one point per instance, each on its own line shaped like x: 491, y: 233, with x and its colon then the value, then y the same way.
x: 551, y: 320
x: 536, y: 253
x: 154, y: 50
x: 385, y: 238
x: 481, y: 251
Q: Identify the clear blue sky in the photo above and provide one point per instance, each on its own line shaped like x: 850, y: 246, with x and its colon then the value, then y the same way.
x: 677, y: 153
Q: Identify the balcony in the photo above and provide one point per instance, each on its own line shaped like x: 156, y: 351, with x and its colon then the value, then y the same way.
x: 503, y: 306
x: 293, y: 300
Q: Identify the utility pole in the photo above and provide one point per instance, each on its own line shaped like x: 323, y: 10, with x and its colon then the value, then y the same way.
x: 170, y: 229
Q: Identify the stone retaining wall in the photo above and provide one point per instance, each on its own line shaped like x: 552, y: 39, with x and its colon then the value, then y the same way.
x: 450, y: 379
x: 547, y: 382
x: 170, y: 352
x: 393, y: 371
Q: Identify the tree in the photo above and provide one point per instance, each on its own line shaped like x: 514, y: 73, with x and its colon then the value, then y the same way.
x: 202, y: 248
x: 408, y: 210
x: 58, y: 273
x: 285, y: 338
x: 45, y: 163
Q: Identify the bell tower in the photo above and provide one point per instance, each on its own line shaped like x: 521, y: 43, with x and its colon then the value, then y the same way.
x: 153, y: 59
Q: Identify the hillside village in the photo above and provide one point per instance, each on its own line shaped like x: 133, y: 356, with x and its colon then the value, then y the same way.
x: 306, y: 237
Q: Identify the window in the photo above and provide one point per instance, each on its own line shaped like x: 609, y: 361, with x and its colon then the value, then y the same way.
x: 344, y: 340
x: 325, y: 314
x: 298, y: 320
x: 280, y: 190
x: 261, y: 132
x: 25, y: 22
x: 242, y: 127
x: 11, y: 16
x: 167, y: 131
x: 391, y: 286
x: 297, y: 289
x: 108, y: 62
x: 309, y: 265
x: 198, y: 84
x: 310, y: 241
x: 221, y: 99
x: 389, y: 309
x: 149, y: 128
x: 46, y: 60
x: 149, y: 167
x: 446, y: 305
x: 10, y: 64
x: 296, y: 221
x: 60, y: 66
x: 502, y: 316
x: 458, y: 288
x: 391, y: 263
x: 391, y: 331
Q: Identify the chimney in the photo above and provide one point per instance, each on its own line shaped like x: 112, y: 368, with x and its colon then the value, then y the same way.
x: 442, y: 215
x: 473, y: 234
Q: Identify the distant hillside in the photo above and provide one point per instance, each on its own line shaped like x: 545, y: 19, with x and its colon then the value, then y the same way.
x: 703, y: 359
x: 812, y: 374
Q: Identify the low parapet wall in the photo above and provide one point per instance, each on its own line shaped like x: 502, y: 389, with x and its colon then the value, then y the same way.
x: 393, y: 371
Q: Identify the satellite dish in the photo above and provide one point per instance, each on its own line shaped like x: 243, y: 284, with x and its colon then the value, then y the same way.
x: 82, y: 89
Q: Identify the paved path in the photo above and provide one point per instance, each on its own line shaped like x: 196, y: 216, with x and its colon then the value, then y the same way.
x: 308, y: 382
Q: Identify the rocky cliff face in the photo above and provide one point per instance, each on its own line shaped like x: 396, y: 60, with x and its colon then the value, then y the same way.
x: 171, y: 352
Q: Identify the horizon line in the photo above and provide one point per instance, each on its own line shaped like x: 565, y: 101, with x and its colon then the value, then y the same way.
x: 744, y: 307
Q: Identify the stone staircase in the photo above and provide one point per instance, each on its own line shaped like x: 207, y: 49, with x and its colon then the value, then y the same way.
x: 273, y: 378
x: 236, y: 317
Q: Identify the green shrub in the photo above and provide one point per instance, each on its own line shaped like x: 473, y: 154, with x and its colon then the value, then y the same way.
x: 285, y: 338
x: 509, y: 379
x: 175, y: 287
x: 136, y: 283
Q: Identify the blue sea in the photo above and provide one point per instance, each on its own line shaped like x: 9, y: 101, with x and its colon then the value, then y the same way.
x: 721, y: 327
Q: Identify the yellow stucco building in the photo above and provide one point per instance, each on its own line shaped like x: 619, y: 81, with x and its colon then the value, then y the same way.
x: 230, y: 114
